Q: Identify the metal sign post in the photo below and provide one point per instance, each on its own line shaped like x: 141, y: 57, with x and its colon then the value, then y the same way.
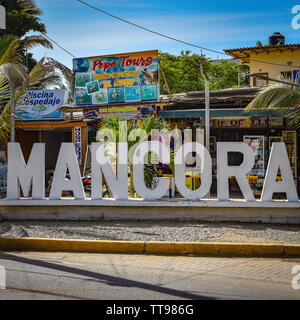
x: 207, y: 128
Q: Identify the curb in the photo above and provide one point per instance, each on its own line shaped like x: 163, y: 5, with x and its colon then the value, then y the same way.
x: 151, y: 247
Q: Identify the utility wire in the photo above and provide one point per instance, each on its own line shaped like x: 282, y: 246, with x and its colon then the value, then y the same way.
x: 58, y: 45
x: 181, y: 41
x: 146, y: 29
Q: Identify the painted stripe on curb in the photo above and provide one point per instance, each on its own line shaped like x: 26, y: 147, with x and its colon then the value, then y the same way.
x: 44, y: 244
x: 151, y: 247
x: 211, y: 248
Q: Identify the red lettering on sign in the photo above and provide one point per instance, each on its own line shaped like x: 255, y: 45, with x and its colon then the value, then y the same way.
x: 105, y: 65
x: 148, y: 61
x: 123, y: 58
x: 98, y: 64
x: 125, y: 61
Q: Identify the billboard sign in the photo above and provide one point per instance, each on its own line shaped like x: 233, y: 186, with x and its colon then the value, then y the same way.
x: 41, y: 104
x: 120, y: 78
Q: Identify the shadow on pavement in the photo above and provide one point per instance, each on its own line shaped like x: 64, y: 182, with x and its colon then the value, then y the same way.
x: 108, y: 279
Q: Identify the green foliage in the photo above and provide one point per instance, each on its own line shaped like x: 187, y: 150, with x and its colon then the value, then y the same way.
x: 183, y: 73
x: 225, y: 74
x: 15, y: 78
x: 134, y: 138
x: 259, y: 44
x: 284, y: 98
x: 21, y: 17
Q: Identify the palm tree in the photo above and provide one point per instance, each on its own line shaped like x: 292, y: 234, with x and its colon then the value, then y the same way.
x: 283, y: 97
x: 148, y: 124
x: 259, y: 43
x: 13, y: 76
x: 15, y: 79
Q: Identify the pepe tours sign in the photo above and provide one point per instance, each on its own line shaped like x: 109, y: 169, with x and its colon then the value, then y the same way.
x: 31, y: 175
x: 119, y: 78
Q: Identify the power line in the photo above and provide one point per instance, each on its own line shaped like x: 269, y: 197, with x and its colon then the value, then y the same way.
x: 62, y: 48
x: 146, y: 29
x: 175, y: 39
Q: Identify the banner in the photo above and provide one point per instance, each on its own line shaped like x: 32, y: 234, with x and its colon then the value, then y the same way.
x: 254, y: 122
x: 41, y: 104
x: 296, y: 76
x: 78, y: 145
x: 120, y: 78
x: 3, y: 167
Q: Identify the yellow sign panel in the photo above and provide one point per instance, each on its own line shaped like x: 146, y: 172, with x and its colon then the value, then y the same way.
x: 119, y: 109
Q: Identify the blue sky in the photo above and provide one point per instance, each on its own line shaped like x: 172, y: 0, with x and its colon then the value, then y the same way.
x: 214, y: 24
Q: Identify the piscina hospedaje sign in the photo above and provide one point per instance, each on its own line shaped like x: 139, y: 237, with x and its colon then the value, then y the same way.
x: 22, y: 175
x: 41, y: 104
x: 118, y: 78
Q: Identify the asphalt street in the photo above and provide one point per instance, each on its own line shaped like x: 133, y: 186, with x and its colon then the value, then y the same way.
x: 37, y: 275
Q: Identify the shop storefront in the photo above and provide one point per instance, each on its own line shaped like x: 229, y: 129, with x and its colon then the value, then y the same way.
x: 234, y: 125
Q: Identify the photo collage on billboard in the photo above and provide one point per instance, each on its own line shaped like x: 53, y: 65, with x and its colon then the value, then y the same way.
x: 114, y: 79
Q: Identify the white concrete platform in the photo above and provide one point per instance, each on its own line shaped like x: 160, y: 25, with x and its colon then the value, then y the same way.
x: 279, y: 211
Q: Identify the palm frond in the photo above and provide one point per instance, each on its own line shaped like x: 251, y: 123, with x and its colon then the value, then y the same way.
x: 66, y: 72
x: 281, y: 97
x: 148, y: 124
x: 31, y: 8
x: 34, y: 41
x: 9, y: 49
x: 15, y: 73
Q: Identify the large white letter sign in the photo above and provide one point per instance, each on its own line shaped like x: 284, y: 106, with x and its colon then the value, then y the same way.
x: 24, y: 176
x: 67, y: 160
x: 279, y: 160
x: 239, y: 172
x: 101, y: 164
x: 138, y: 170
x: 206, y: 170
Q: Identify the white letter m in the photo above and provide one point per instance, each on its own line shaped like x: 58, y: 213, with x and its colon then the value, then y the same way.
x: 22, y: 175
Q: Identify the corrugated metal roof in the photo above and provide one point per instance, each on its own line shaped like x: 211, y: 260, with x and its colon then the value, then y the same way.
x: 225, y: 93
x: 194, y: 113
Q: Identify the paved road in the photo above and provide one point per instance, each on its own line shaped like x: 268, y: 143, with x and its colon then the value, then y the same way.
x: 38, y: 275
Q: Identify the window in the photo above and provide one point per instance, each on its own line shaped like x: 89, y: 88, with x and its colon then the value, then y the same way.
x: 259, y: 82
x: 286, y: 74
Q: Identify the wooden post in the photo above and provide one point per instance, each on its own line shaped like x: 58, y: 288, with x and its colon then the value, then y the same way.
x: 165, y: 80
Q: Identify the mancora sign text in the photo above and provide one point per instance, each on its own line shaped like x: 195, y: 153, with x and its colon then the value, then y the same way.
x: 31, y: 175
x: 107, y: 154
